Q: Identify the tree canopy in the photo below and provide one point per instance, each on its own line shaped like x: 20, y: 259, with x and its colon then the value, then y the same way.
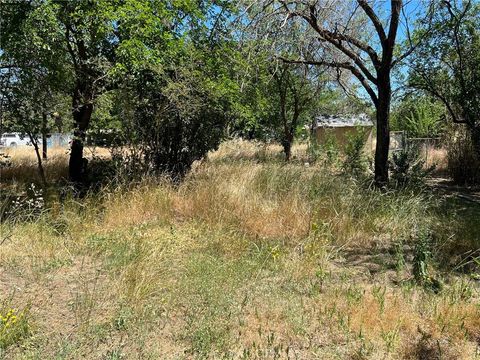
x: 173, y: 78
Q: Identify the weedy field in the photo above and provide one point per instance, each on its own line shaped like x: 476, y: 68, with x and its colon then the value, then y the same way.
x: 247, y: 258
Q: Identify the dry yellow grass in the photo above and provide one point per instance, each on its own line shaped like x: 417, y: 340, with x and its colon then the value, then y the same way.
x: 245, y: 259
x: 24, y: 166
x: 239, y: 149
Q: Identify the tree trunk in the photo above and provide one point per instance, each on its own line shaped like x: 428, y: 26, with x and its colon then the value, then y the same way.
x: 383, y: 131
x: 289, y: 129
x: 44, y: 136
x: 41, y: 171
x: 77, y: 164
x: 287, y: 147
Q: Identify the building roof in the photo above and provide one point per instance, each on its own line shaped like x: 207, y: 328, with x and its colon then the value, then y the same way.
x: 334, y: 121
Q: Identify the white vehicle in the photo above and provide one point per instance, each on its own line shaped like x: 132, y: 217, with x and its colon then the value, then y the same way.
x: 14, y: 140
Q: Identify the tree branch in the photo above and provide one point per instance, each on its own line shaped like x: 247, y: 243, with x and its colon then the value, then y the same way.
x: 413, y: 46
x: 431, y: 89
x: 343, y: 65
x: 338, y: 37
x: 356, y: 59
x: 396, y: 7
x: 69, y: 46
x: 328, y: 35
x: 375, y: 20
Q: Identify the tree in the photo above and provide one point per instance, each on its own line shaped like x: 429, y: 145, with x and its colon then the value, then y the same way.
x: 98, y: 40
x: 106, y: 43
x: 76, y: 31
x: 30, y: 77
x: 446, y: 65
x: 277, y: 97
x: 30, y: 104
x: 175, y: 105
x: 179, y: 115
x: 337, y: 35
x: 296, y: 90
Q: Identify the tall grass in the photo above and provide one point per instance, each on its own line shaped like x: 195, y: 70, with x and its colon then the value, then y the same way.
x: 463, y: 160
x: 246, y: 258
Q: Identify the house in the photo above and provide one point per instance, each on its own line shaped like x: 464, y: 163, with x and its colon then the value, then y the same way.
x: 341, y: 127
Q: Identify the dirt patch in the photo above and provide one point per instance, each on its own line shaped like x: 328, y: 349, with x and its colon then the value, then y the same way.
x: 61, y: 301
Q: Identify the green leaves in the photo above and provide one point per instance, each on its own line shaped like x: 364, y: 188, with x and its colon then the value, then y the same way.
x: 446, y: 63
x: 420, y: 116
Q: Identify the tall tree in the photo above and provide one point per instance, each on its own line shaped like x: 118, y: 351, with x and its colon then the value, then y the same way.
x: 296, y: 90
x: 100, y: 40
x: 31, y: 76
x: 446, y: 65
x: 351, y: 36
x: 179, y: 98
x: 280, y: 97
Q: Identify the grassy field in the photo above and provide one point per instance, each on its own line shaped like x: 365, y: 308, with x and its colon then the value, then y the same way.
x: 248, y: 258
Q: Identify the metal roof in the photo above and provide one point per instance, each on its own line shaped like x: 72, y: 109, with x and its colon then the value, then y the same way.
x: 333, y: 121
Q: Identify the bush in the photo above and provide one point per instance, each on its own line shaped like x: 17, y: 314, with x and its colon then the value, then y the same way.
x: 327, y: 153
x: 174, y: 123
x: 314, y: 150
x: 407, y: 169
x: 355, y: 162
x: 5, y: 161
x: 172, y: 116
x: 463, y: 162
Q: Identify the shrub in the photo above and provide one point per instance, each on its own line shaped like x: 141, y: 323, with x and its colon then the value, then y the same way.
x: 5, y: 161
x: 314, y: 149
x: 24, y: 206
x: 422, y: 255
x: 407, y: 169
x: 173, y: 122
x: 328, y: 152
x: 355, y: 162
x: 331, y: 150
x: 463, y: 162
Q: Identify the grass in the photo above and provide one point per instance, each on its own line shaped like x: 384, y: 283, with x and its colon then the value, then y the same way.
x: 248, y: 258
x: 23, y: 164
x: 14, y: 326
